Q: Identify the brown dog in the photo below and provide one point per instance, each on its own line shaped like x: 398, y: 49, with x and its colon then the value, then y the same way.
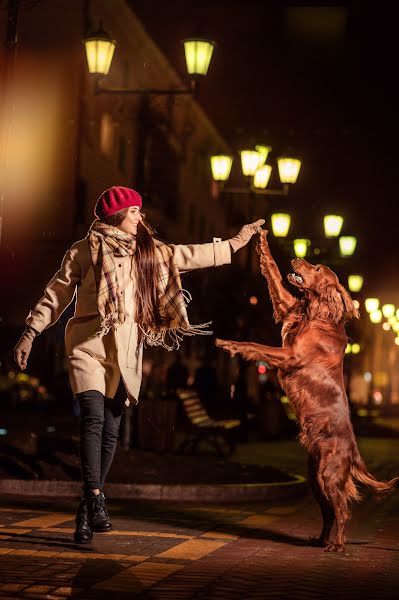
x: 310, y: 370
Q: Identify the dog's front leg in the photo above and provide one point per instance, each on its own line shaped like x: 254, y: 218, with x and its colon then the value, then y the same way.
x: 277, y: 358
x: 281, y: 298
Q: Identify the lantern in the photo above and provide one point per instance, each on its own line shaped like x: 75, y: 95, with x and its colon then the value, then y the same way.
x: 250, y: 161
x: 288, y: 169
x: 280, y: 224
x: 198, y: 55
x: 376, y: 316
x: 99, y: 51
x: 332, y: 225
x: 347, y: 245
x: 355, y: 283
x: 301, y: 247
x: 221, y: 167
x: 388, y: 310
x: 371, y: 304
x: 262, y: 176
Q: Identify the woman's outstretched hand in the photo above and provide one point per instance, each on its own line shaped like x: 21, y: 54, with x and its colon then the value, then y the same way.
x: 244, y: 235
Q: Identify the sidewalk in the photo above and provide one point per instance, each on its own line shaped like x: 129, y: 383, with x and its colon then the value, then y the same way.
x: 171, y: 550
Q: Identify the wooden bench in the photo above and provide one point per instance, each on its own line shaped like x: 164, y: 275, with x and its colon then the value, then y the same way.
x: 219, y: 434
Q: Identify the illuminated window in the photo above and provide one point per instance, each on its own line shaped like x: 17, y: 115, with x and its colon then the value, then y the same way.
x: 107, y: 135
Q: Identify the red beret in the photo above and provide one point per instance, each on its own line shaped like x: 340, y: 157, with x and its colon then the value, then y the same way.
x: 114, y: 199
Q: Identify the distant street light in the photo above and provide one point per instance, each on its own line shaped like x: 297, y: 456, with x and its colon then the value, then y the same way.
x: 262, y: 176
x: 221, y: 167
x: 333, y: 225
x: 371, y: 304
x: 388, y: 310
x: 355, y: 283
x: 347, y: 245
x: 288, y: 169
x: 280, y: 224
x: 301, y: 247
x: 376, y: 316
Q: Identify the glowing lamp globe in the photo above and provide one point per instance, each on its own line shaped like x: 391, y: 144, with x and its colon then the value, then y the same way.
x: 371, y: 304
x: 355, y: 348
x: 262, y: 176
x: 99, y: 51
x: 250, y: 161
x: 347, y: 245
x: 264, y: 151
x: 395, y: 327
x: 301, y: 247
x: 355, y: 283
x: 376, y: 316
x: 288, y: 169
x: 348, y: 348
x: 198, y: 55
x: 280, y: 224
x: 388, y: 310
x: 221, y: 167
x: 332, y: 225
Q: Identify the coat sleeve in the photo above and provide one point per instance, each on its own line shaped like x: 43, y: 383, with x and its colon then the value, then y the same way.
x: 199, y: 256
x: 58, y: 293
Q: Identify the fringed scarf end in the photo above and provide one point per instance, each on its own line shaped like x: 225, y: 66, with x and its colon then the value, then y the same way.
x: 106, y: 324
x: 175, y: 334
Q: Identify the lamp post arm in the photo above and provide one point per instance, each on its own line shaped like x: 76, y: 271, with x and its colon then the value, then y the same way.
x: 192, y: 90
x: 267, y: 192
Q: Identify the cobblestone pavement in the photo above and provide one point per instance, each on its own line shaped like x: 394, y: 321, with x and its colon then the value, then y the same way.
x: 164, y: 551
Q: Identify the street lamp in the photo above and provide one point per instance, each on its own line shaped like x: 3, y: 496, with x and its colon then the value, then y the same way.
x: 280, y: 224
x: 376, y: 316
x: 100, y: 50
x: 388, y: 310
x: 347, y: 245
x: 288, y: 169
x: 355, y: 283
x: 301, y: 247
x: 371, y: 304
x: 333, y: 225
x: 221, y: 167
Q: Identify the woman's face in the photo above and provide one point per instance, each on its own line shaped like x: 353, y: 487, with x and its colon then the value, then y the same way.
x: 129, y: 223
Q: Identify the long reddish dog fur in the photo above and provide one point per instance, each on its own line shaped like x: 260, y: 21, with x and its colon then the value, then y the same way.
x: 310, y: 370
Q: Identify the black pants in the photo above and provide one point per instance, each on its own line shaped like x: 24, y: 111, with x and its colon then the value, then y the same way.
x: 100, y: 418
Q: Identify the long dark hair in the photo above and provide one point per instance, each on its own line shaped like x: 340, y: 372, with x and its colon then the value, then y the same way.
x: 146, y: 269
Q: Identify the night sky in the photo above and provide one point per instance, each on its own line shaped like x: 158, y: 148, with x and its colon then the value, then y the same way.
x: 319, y: 80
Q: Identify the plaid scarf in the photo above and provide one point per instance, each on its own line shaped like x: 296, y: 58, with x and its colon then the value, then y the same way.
x: 105, y: 242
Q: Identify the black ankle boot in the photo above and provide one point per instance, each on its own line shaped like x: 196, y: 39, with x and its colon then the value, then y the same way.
x: 98, y: 516
x: 83, y: 533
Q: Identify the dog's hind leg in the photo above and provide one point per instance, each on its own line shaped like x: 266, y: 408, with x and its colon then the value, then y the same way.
x: 333, y: 479
x: 326, y: 508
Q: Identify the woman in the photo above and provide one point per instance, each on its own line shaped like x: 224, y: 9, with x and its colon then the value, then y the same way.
x: 128, y: 291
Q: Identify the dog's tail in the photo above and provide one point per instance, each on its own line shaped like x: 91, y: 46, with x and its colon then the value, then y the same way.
x: 379, y: 488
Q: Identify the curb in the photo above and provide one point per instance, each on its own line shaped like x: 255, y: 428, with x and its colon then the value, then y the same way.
x: 232, y: 492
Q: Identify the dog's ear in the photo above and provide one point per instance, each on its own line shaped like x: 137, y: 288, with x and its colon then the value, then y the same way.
x: 332, y: 302
x: 351, y: 312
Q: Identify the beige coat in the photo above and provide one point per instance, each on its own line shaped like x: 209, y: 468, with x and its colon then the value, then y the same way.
x: 96, y: 363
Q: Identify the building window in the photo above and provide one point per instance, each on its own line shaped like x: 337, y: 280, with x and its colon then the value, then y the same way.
x: 107, y: 135
x: 122, y: 154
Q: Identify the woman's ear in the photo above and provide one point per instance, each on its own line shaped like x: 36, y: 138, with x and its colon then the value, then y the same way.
x: 350, y: 309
